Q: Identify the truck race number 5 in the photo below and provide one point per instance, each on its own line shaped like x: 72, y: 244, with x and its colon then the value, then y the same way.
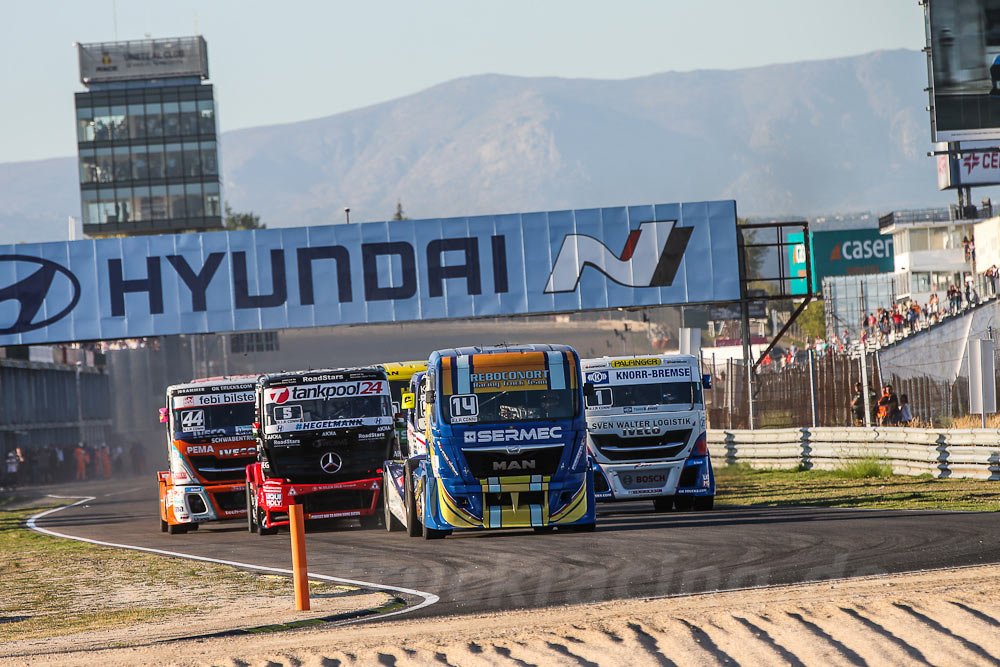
x: 193, y: 420
x: 464, y: 408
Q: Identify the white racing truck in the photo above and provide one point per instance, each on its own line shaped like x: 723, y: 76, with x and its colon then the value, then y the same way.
x: 646, y: 430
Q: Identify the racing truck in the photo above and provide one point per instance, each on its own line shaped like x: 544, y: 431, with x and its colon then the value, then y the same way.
x: 498, y: 440
x: 400, y: 373
x: 321, y: 438
x: 646, y: 431
x: 209, y: 444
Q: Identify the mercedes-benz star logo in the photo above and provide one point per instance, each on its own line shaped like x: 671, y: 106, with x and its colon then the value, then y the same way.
x: 331, y: 462
x: 32, y: 291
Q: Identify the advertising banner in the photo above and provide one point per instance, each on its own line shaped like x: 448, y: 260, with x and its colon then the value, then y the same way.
x: 963, y: 37
x: 400, y: 271
x: 956, y: 171
x: 143, y: 59
x: 840, y: 253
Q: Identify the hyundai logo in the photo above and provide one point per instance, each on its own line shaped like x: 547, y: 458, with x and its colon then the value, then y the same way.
x: 31, y: 294
x: 331, y: 462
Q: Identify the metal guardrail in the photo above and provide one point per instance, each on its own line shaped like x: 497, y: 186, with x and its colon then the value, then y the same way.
x: 965, y: 453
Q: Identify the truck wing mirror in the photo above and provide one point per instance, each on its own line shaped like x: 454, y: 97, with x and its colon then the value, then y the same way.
x: 588, y: 390
x: 429, y: 397
x: 706, y: 381
x: 409, y: 401
x: 163, y: 415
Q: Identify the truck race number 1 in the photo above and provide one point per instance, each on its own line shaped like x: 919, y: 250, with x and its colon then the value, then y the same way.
x: 464, y: 408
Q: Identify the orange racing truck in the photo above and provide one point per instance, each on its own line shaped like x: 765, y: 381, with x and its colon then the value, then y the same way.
x: 322, y: 436
x: 209, y: 444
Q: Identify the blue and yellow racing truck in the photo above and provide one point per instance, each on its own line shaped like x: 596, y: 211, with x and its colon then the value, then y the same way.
x: 504, y: 444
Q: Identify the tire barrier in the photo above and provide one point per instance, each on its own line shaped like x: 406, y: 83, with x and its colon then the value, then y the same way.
x: 960, y: 453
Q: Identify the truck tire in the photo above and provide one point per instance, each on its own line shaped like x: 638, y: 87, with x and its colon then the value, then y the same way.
x: 176, y: 529
x: 585, y: 527
x: 704, y: 503
x: 392, y: 524
x: 163, y: 526
x: 663, y: 503
x: 261, y: 529
x: 192, y: 527
x: 434, y: 533
x: 683, y: 503
x: 413, y: 526
x: 251, y: 511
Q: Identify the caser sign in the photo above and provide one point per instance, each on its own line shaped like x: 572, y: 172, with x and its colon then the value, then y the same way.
x: 373, y: 272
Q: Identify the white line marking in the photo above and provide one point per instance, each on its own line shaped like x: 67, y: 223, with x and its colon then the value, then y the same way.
x: 428, y: 598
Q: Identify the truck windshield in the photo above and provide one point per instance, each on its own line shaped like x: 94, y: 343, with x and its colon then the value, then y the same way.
x: 510, y: 406
x: 231, y: 416
x: 313, y: 410
x: 659, y: 393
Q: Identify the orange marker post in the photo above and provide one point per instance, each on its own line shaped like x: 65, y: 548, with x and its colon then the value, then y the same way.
x: 300, y: 572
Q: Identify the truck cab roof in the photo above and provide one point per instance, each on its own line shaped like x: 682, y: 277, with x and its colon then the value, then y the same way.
x: 323, y: 375
x: 220, y: 383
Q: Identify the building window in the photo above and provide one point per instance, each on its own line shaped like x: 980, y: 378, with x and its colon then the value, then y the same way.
x: 136, y: 121
x: 189, y: 119
x: 156, y: 165
x: 123, y: 165
x: 192, y: 159
x: 84, y: 124
x: 206, y: 117
x: 212, y: 209
x: 119, y: 129
x: 88, y: 165
x: 102, y: 124
x: 91, y: 211
x: 173, y: 158
x: 140, y: 163
x: 919, y: 240
x: 158, y: 202
x: 154, y: 120
x: 105, y: 171
x: 175, y: 196
x: 171, y: 119
x: 193, y: 200
x: 209, y: 161
x: 920, y: 281
x: 140, y: 203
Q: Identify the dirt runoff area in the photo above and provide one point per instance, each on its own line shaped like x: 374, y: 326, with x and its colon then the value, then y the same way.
x: 941, y: 617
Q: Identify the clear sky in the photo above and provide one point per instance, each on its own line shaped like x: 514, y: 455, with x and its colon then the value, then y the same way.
x: 279, y: 62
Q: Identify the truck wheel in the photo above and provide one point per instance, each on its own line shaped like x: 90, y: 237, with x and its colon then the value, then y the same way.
x: 585, y: 527
x: 176, y: 529
x: 413, y: 527
x: 192, y: 527
x: 704, y: 503
x: 663, y: 503
x: 261, y: 519
x: 163, y: 526
x: 251, y: 511
x: 543, y: 529
x: 434, y: 533
x: 683, y: 503
x: 392, y: 524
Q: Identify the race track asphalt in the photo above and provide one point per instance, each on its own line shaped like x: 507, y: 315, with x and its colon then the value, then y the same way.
x: 635, y: 553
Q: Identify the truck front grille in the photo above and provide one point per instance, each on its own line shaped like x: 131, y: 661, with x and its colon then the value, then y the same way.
x: 667, y: 445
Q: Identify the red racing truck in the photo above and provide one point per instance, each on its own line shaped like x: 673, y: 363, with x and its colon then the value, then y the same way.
x: 209, y: 444
x: 321, y: 439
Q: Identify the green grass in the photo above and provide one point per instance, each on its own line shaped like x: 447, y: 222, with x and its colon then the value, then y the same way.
x: 55, y: 586
x: 864, y: 468
x: 848, y: 487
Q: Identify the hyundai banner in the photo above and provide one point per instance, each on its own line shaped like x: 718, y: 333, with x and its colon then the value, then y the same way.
x: 513, y: 264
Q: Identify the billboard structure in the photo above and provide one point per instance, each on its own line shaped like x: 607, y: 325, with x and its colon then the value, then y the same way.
x: 492, y: 265
x: 143, y: 59
x: 963, y: 39
x: 968, y: 168
x: 839, y: 253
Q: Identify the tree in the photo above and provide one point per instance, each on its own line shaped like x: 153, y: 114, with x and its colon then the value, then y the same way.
x: 235, y: 220
x: 399, y: 215
x: 812, y: 320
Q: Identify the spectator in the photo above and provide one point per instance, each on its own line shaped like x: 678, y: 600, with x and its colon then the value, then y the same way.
x: 888, y: 407
x: 80, y: 455
x: 858, y: 405
x: 905, y: 416
x: 11, y: 467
